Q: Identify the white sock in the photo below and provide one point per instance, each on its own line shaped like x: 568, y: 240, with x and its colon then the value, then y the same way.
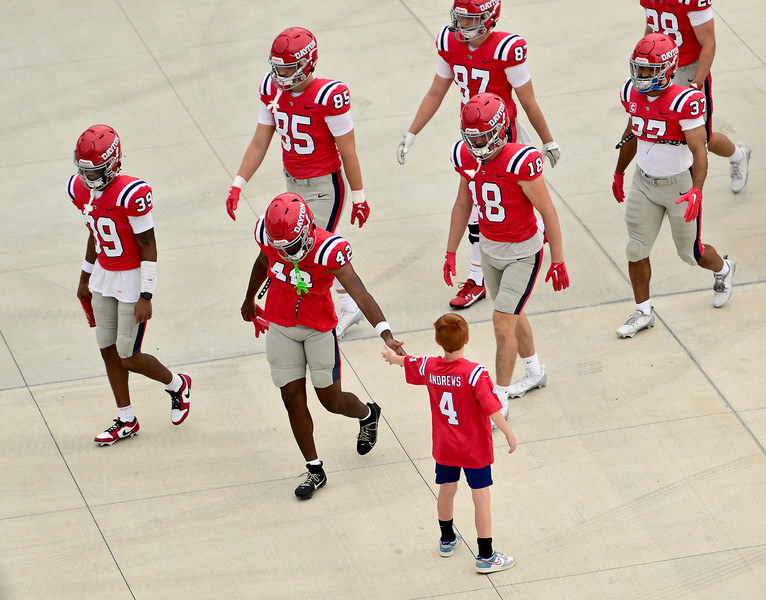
x: 125, y: 413
x: 532, y: 364
x: 737, y: 156
x: 725, y: 270
x: 645, y: 307
x: 476, y: 274
x: 175, y: 383
x: 369, y: 412
x: 502, y: 394
x: 314, y: 463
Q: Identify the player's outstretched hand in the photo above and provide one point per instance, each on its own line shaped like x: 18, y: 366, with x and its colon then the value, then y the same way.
x: 693, y: 198
x: 232, y: 200
x: 404, y: 146
x: 450, y: 268
x: 558, y: 276
x: 617, y: 186
x: 553, y: 152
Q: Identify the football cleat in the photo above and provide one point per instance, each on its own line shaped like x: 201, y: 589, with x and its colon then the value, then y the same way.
x: 738, y: 170
x: 347, y: 318
x: 469, y: 293
x: 722, y: 285
x: 179, y: 400
x: 118, y: 431
x: 315, y: 478
x: 636, y: 323
x: 368, y: 430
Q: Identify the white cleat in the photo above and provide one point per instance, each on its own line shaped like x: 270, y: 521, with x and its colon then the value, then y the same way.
x: 636, y: 323
x: 528, y: 382
x: 347, y: 318
x: 738, y: 170
x: 722, y: 285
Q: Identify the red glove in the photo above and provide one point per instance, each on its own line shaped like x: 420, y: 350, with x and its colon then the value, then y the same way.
x: 559, y: 276
x: 261, y: 325
x: 694, y: 199
x: 449, y: 268
x: 360, y: 211
x: 617, y: 185
x: 88, y: 308
x: 232, y: 200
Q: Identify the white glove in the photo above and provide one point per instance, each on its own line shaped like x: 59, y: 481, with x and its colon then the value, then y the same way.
x: 551, y: 150
x: 404, y: 146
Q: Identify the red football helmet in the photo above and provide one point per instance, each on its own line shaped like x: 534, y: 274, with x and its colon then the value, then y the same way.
x: 290, y: 226
x: 294, y: 47
x: 659, y: 53
x: 484, y: 125
x: 97, y: 156
x: 473, y: 18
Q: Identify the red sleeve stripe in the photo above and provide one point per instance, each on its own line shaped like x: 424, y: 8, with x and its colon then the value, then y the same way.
x: 504, y: 47
x: 126, y: 195
x: 325, y: 92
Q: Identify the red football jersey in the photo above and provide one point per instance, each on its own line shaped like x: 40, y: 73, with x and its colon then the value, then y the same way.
x: 659, y: 119
x: 124, y: 197
x: 505, y: 213
x: 671, y: 17
x: 482, y: 69
x: 462, y: 398
x: 316, y: 309
x: 308, y: 146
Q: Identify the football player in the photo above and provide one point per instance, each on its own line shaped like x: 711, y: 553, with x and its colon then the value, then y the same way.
x: 667, y: 122
x: 479, y: 59
x: 313, y: 119
x: 504, y: 180
x: 119, y: 274
x: 690, y: 24
x: 302, y: 261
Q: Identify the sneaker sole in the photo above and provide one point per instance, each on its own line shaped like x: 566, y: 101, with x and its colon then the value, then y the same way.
x: 494, y: 569
x: 130, y: 435
x: 733, y: 266
x: 630, y: 335
x: 542, y: 384
x: 452, y: 550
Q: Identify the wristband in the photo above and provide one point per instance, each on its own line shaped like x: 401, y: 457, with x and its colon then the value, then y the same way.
x: 358, y: 196
x: 239, y: 182
x: 148, y: 276
x: 87, y: 266
x: 381, y: 327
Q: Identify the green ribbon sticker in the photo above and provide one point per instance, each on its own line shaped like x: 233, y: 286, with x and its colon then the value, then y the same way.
x: 301, y: 288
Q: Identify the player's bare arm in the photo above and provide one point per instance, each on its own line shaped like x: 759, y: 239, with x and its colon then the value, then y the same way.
x: 696, y: 140
x: 83, y: 291
x: 346, y: 144
x: 369, y: 307
x: 256, y: 150
x: 526, y: 96
x: 538, y: 195
x: 148, y: 244
x: 461, y: 212
x: 705, y: 34
x: 430, y: 103
x: 257, y: 277
x: 627, y: 150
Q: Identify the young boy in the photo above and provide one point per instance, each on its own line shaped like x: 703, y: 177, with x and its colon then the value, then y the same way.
x: 462, y: 396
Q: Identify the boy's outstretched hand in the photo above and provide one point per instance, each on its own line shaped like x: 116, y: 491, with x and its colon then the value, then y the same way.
x: 391, y: 357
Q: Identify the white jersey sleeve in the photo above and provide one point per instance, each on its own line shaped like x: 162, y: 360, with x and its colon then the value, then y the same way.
x: 518, y: 75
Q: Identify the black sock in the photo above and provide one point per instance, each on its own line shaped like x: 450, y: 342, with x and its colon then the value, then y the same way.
x: 448, y: 534
x: 485, y: 547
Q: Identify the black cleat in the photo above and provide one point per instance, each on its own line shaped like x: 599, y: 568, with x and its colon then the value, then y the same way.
x: 315, y: 479
x: 368, y: 430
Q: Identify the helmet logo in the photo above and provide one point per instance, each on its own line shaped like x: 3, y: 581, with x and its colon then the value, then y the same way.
x: 488, y: 5
x: 301, y: 53
x: 111, y: 149
x: 670, y: 54
x: 498, y: 115
x: 301, y: 216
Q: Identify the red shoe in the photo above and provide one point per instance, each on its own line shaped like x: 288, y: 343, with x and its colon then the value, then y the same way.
x: 469, y: 293
x: 179, y: 401
x: 116, y: 432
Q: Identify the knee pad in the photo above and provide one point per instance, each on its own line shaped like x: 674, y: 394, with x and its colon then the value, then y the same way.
x: 636, y: 251
x: 473, y: 233
x: 688, y: 258
x: 125, y: 346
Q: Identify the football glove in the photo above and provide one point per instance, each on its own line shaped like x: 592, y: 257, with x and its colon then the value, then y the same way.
x: 693, y: 198
x: 404, y: 146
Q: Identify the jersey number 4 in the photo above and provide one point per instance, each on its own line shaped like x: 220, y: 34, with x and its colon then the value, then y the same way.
x: 448, y: 408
